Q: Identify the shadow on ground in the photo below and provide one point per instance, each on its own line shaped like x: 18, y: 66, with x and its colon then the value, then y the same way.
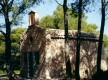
x: 103, y: 75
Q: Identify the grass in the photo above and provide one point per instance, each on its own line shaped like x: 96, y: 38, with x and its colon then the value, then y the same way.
x: 4, y: 72
x: 17, y: 71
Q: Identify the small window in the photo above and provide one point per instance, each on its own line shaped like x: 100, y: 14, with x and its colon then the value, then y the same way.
x: 31, y: 39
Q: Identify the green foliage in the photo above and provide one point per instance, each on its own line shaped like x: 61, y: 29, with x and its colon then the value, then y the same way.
x: 86, y: 27
x: 47, y: 22
x: 2, y: 72
x: 56, y: 21
x: 58, y: 18
x: 106, y: 46
x: 2, y: 44
x: 15, y: 40
x: 105, y: 41
x: 15, y: 37
x: 15, y: 8
x: 1, y: 49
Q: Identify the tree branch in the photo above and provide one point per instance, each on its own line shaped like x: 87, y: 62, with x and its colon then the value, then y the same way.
x: 58, y: 3
x: 61, y: 4
x: 11, y: 2
x: 2, y: 32
x: 1, y: 3
x: 22, y: 8
x: 18, y: 12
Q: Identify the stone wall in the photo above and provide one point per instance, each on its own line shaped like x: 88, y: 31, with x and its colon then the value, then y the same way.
x: 51, y: 52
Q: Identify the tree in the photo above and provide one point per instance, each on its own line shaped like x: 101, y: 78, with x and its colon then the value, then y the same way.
x: 58, y: 18
x: 15, y: 40
x: 78, y: 41
x: 79, y: 6
x: 67, y: 59
x: 10, y: 10
x: 15, y: 43
x: 56, y: 21
x: 46, y: 22
x: 101, y: 36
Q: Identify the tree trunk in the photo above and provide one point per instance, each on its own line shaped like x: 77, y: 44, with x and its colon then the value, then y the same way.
x: 8, y: 46
x: 101, y: 36
x: 77, y: 75
x: 67, y: 58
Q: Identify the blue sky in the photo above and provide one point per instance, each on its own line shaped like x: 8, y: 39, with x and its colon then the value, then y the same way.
x: 50, y: 5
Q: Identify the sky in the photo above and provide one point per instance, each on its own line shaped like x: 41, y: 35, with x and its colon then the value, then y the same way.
x: 50, y: 5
